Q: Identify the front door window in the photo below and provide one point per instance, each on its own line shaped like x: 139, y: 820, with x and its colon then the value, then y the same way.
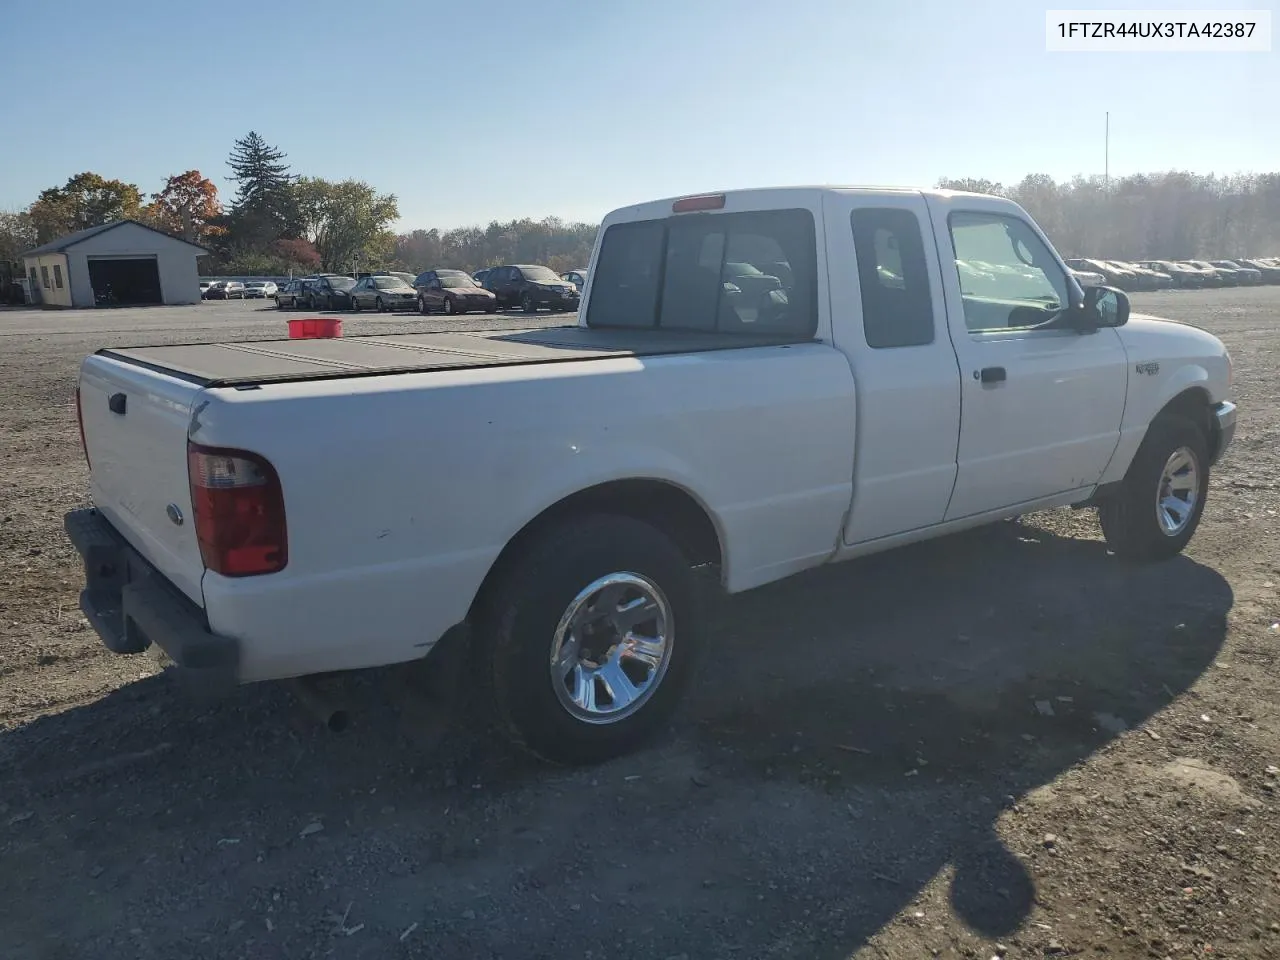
x: 1008, y: 277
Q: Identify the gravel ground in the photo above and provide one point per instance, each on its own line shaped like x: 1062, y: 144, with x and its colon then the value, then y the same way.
x: 1001, y: 743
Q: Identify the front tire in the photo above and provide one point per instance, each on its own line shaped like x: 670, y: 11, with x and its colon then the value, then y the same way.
x: 588, y: 637
x: 1156, y: 512
x: 422, y: 306
x: 378, y: 305
x: 450, y: 308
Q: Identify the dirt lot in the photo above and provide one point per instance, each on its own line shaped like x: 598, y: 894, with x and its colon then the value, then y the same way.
x: 1001, y: 743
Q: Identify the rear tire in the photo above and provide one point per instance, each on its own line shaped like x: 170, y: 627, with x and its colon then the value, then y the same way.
x: 378, y: 305
x: 527, y: 304
x: 1158, y: 507
x: 576, y: 581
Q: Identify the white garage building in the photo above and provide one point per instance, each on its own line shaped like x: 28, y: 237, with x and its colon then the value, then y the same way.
x: 125, y: 262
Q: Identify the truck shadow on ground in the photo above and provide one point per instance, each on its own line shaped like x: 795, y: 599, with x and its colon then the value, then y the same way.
x: 850, y: 733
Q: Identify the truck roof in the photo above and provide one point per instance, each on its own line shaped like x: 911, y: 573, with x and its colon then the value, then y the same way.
x: 756, y: 198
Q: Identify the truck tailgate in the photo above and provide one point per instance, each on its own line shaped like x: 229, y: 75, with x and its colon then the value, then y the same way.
x: 135, y: 427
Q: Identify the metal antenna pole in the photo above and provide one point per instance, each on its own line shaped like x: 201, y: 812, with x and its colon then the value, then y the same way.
x: 1106, y: 154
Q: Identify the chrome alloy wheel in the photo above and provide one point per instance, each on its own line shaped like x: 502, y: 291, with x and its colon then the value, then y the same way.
x: 1179, y: 491
x: 612, y: 648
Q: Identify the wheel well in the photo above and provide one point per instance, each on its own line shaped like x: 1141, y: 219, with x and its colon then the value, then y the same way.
x: 1193, y: 404
x: 663, y: 505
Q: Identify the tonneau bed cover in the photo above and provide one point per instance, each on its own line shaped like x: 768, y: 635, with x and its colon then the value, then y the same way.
x: 279, y: 361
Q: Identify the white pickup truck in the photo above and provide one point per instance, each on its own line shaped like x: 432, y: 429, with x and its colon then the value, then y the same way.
x: 760, y: 382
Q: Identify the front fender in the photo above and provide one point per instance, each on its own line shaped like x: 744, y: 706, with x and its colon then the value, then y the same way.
x: 1149, y: 393
x: 1184, y: 378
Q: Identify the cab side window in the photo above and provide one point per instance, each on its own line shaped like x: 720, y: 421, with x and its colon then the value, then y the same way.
x: 893, y: 274
x: 1008, y: 277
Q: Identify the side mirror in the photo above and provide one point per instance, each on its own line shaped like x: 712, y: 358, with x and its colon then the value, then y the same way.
x: 1104, y: 307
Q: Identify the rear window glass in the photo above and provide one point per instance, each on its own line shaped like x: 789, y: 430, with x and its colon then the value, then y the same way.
x: 749, y: 273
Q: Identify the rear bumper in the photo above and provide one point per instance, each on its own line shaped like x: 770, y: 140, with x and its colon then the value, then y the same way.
x: 1225, y: 422
x: 132, y: 606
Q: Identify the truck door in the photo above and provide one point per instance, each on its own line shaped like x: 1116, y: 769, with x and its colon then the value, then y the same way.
x: 1041, y: 406
x: 888, y: 317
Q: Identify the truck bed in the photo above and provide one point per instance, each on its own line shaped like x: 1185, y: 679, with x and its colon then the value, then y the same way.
x: 281, y: 361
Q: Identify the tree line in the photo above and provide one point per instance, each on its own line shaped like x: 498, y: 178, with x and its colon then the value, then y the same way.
x: 279, y: 222
x: 1156, y: 216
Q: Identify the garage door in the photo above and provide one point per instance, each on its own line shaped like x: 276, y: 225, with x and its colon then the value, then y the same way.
x: 120, y: 280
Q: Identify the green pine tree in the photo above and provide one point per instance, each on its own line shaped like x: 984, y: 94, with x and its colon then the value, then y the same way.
x: 259, y: 170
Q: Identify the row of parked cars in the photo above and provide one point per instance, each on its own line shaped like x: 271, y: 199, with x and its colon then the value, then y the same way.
x: 529, y: 287
x: 1167, y: 274
x: 235, y: 290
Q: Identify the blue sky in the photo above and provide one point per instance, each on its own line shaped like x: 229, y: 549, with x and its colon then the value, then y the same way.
x: 470, y: 112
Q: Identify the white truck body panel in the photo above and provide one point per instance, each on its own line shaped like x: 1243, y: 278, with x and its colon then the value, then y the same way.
x: 393, y: 528
x: 402, y: 489
x: 139, y: 463
x: 900, y: 484
x: 1177, y: 357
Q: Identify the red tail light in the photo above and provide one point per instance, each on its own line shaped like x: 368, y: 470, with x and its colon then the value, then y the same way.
x: 80, y: 423
x: 711, y: 201
x: 239, y: 512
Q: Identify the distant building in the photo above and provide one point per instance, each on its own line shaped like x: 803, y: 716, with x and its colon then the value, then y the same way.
x: 125, y: 262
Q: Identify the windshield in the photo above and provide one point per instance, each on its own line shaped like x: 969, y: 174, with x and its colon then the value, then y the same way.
x: 540, y: 274
x: 456, y: 280
x: 388, y: 283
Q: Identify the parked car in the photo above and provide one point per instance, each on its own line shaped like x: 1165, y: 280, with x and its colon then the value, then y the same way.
x: 1148, y: 279
x: 1214, y: 277
x: 577, y: 277
x: 225, y: 290
x: 1115, y: 276
x: 1270, y: 269
x: 531, y: 288
x: 553, y: 502
x: 382, y: 292
x: 1089, y: 278
x: 1182, y: 275
x: 258, y: 289
x: 289, y: 296
x: 451, y: 291
x: 204, y: 287
x: 1244, y: 274
x: 1136, y: 277
x: 329, y: 291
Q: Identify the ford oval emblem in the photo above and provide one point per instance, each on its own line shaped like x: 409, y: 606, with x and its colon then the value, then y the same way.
x: 174, y: 513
